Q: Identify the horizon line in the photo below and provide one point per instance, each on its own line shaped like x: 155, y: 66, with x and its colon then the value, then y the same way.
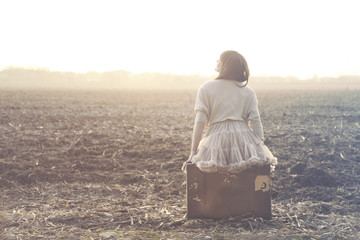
x: 38, y: 68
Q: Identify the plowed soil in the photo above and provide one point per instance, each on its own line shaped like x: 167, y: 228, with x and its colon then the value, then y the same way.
x: 106, y: 165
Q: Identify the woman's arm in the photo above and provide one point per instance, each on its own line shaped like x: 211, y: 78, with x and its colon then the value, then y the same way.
x: 202, y: 112
x: 254, y: 117
x: 257, y: 128
x: 197, y: 134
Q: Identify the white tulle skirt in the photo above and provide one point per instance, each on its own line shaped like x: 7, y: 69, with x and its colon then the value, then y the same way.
x: 231, y: 146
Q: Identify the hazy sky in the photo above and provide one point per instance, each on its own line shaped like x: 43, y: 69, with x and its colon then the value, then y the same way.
x: 277, y: 37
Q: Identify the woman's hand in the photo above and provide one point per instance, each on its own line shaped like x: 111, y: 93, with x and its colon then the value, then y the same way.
x: 192, y: 154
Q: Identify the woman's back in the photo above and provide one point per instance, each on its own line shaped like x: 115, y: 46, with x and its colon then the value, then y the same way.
x: 223, y: 100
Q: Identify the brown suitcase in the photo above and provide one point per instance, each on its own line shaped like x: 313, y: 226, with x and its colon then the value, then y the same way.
x: 221, y: 195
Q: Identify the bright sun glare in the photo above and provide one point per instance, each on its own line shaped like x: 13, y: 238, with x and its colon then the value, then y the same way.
x: 297, y: 38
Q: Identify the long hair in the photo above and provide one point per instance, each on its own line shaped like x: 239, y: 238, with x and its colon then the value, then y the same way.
x: 233, y: 67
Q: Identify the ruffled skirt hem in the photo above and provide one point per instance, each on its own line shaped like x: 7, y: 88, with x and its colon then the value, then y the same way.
x: 231, y: 146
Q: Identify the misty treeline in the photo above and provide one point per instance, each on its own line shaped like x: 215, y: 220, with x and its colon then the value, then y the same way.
x: 22, y: 77
x: 16, y: 77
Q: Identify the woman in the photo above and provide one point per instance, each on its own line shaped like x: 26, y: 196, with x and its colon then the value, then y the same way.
x: 229, y: 107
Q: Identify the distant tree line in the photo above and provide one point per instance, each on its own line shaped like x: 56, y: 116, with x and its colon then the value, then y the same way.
x: 121, y: 79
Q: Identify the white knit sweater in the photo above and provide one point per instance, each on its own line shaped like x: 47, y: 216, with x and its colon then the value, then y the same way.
x: 221, y: 100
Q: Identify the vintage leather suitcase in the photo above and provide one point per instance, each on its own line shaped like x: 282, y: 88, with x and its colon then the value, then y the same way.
x: 221, y: 195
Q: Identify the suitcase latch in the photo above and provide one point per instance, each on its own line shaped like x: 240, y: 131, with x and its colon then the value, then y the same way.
x: 262, y: 183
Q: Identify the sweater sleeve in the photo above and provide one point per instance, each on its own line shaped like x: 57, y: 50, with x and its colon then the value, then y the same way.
x: 201, y: 107
x: 254, y: 118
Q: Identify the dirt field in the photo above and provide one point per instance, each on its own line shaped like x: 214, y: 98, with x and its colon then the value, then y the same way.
x: 106, y: 165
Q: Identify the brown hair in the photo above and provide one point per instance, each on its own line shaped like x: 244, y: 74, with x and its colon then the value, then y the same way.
x: 233, y: 67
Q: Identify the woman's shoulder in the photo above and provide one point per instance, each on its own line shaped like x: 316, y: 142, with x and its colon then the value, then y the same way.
x: 244, y: 87
x: 249, y: 89
x: 208, y: 85
x: 219, y: 83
